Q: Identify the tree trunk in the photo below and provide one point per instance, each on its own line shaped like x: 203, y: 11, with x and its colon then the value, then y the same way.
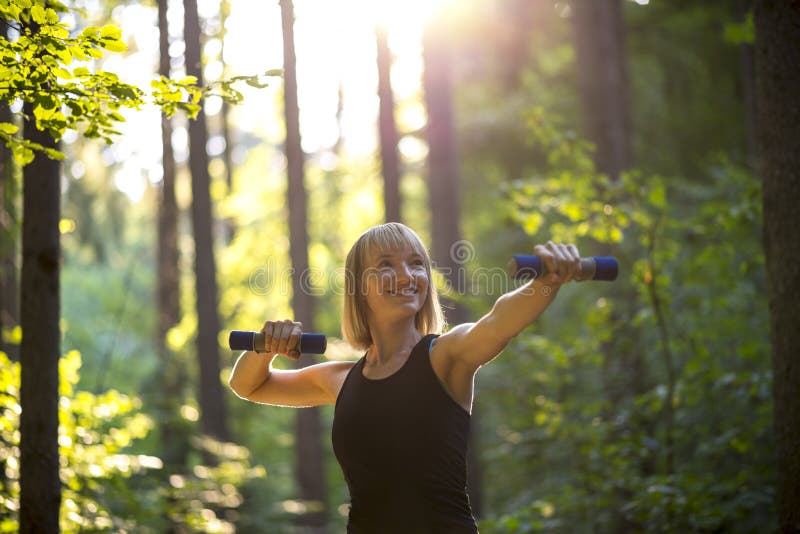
x: 210, y: 396
x: 778, y: 86
x: 40, y: 485
x: 603, y: 81
x: 9, y: 240
x: 227, y: 156
x: 601, y: 62
x: 747, y: 58
x: 517, y: 18
x: 449, y: 252
x: 9, y: 237
x: 387, y: 128
x: 174, y: 443
x: 309, y: 468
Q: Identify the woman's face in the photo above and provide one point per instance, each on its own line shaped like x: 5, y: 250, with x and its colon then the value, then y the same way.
x: 395, y: 282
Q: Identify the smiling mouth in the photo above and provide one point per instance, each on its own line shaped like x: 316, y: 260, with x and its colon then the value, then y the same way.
x: 405, y: 292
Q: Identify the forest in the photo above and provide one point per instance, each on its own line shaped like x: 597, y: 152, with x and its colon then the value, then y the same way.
x: 174, y: 170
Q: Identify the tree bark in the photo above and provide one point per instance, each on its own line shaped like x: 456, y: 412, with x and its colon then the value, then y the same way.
x: 603, y: 81
x: 9, y: 240
x: 210, y: 392
x: 387, y: 128
x: 227, y: 155
x: 747, y: 58
x: 40, y: 485
x: 309, y: 468
x: 174, y: 445
x: 778, y: 86
x: 449, y: 252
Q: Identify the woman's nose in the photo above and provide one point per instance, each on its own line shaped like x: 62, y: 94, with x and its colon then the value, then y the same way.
x: 404, y: 271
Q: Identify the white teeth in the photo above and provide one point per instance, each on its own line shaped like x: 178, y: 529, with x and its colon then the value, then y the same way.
x: 404, y: 292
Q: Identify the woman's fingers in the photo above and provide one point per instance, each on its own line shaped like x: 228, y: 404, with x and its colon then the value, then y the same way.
x: 575, y: 260
x: 561, y: 262
x: 283, y: 337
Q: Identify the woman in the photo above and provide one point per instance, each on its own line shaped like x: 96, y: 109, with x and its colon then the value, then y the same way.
x: 402, y: 412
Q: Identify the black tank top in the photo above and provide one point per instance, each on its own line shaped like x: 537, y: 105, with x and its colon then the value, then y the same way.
x: 402, y: 444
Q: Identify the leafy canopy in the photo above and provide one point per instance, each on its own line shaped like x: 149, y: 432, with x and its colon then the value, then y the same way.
x: 53, y: 70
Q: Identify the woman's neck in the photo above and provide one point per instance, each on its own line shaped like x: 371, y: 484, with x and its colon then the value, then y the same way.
x: 391, y: 340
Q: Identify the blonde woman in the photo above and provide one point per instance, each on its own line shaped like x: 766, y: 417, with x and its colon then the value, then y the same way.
x: 402, y: 411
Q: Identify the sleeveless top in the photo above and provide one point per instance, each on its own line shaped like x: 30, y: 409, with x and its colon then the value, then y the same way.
x: 402, y: 444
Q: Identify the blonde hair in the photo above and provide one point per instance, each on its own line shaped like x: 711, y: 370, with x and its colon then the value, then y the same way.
x: 389, y: 236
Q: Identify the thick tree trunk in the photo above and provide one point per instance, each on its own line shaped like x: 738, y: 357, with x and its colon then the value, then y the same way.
x: 309, y: 468
x: 603, y: 81
x: 778, y: 86
x: 174, y: 445
x: 449, y: 252
x: 747, y: 58
x: 9, y: 240
x: 387, y: 128
x: 211, y: 399
x: 40, y: 486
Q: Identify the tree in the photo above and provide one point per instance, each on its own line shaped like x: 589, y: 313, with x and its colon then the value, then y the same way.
x: 447, y: 246
x: 210, y: 391
x: 387, y: 128
x: 603, y: 81
x: 308, y: 468
x: 748, y: 80
x: 171, y: 375
x: 35, y: 69
x: 40, y: 485
x: 777, y: 25
x: 9, y: 232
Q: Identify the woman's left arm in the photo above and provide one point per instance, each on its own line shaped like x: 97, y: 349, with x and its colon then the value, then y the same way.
x: 474, y: 344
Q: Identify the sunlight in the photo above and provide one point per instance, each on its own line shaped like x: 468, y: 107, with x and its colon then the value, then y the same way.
x: 335, y: 47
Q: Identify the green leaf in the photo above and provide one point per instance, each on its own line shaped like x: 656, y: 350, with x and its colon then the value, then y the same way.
x: 22, y: 155
x: 54, y: 154
x: 89, y: 31
x: 114, y: 45
x: 38, y: 14
x: 62, y: 73
x: 110, y: 31
x: 52, y: 16
x: 8, y: 128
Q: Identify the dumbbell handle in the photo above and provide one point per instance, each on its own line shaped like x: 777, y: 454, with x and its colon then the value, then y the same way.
x: 255, y: 341
x: 528, y: 266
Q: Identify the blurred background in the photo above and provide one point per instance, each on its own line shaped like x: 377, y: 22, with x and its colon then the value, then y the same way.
x: 488, y: 126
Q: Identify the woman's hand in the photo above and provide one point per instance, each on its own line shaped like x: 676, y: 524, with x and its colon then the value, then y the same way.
x: 562, y: 262
x: 283, y: 337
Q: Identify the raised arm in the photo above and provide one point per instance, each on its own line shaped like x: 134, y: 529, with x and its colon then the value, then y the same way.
x: 254, y: 379
x: 471, y: 345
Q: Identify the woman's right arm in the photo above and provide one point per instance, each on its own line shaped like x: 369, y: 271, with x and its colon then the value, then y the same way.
x: 254, y: 379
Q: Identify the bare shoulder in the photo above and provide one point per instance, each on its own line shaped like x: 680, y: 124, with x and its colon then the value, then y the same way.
x: 331, y: 375
x: 448, y: 346
x: 470, y: 345
x: 452, y: 342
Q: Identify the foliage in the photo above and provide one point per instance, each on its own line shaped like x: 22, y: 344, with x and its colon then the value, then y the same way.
x: 105, y: 487
x: 645, y: 447
x: 51, y: 69
x: 670, y: 433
